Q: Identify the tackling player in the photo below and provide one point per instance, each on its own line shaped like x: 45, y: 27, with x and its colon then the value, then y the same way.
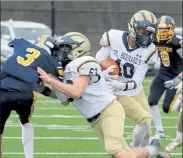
x: 20, y: 81
x: 177, y: 142
x: 85, y: 83
x: 169, y: 46
x: 132, y: 51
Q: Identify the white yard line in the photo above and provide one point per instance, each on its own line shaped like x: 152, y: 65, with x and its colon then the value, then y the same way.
x: 74, y: 127
x: 129, y: 137
x: 75, y: 116
x: 67, y: 153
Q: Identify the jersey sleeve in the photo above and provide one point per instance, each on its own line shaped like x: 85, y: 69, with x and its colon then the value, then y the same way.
x: 89, y: 67
x: 103, y: 53
x: 152, y: 55
x: 105, y: 40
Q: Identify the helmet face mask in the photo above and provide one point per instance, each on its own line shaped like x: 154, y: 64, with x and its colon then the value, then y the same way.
x: 63, y: 54
x: 144, y: 33
x: 165, y: 29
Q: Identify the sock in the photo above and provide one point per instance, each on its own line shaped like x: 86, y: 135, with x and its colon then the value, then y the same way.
x: 146, y: 141
x: 179, y: 136
x: 28, y: 140
x: 139, y: 134
x: 152, y: 150
x: 156, y: 118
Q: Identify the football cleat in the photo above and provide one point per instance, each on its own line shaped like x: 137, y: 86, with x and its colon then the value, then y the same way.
x: 173, y: 145
x: 161, y: 152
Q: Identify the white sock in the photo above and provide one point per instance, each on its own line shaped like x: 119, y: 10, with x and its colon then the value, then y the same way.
x: 28, y: 140
x: 146, y: 141
x: 179, y: 136
x: 139, y: 133
x: 157, y: 118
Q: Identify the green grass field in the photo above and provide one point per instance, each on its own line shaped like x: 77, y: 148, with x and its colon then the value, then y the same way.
x: 61, y: 132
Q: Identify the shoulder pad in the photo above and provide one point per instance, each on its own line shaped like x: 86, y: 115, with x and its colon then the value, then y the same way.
x: 88, y: 66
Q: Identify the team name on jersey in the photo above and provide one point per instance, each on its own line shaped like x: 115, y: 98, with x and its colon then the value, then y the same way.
x: 125, y: 56
x: 167, y: 49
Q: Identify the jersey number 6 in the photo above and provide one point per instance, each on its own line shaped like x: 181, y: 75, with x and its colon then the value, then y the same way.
x: 31, y: 56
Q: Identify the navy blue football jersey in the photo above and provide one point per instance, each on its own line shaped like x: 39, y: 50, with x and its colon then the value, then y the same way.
x: 171, y: 62
x: 19, y: 72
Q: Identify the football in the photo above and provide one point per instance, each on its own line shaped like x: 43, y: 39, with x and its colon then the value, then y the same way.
x: 106, y: 63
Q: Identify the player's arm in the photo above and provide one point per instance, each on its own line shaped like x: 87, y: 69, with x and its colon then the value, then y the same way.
x: 174, y: 82
x: 75, y: 90
x: 88, y: 72
x: 46, y: 91
x: 105, y: 50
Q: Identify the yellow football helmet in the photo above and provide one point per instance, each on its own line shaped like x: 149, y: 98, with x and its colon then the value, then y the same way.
x: 142, y: 26
x: 165, y: 28
x: 79, y: 43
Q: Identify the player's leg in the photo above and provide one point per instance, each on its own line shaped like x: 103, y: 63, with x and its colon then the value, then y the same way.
x: 141, y: 98
x: 177, y: 142
x: 5, y: 111
x: 110, y: 128
x: 136, y: 112
x: 156, y: 90
x: 25, y: 111
x: 169, y: 100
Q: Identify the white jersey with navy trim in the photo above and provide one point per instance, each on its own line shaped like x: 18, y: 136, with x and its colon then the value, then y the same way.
x: 97, y: 95
x: 132, y: 62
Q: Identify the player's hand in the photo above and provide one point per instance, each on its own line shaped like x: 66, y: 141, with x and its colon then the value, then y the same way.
x: 44, y: 76
x: 172, y: 83
x: 179, y: 88
x: 109, y: 70
x: 117, y: 85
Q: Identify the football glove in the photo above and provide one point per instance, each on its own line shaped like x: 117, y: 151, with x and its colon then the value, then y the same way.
x: 172, y: 83
x: 117, y: 85
x: 106, y: 74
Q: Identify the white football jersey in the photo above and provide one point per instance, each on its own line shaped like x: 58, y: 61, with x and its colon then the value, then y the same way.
x: 132, y: 62
x: 97, y: 95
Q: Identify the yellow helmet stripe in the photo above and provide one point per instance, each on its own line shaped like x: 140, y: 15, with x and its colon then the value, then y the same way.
x: 143, y: 15
x: 163, y: 18
x: 152, y: 18
x: 43, y: 39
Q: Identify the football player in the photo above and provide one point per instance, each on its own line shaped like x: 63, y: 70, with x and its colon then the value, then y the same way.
x: 177, y: 142
x: 85, y: 84
x: 132, y: 51
x: 169, y: 46
x: 20, y: 82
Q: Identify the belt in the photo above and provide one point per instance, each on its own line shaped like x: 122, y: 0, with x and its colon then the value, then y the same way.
x: 94, y: 118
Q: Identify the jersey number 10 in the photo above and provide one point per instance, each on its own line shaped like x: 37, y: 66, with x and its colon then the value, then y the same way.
x: 30, y: 57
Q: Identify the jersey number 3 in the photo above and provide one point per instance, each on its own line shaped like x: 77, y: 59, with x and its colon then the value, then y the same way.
x: 30, y: 57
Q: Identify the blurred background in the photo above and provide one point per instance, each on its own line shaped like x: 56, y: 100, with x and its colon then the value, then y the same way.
x: 92, y: 18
